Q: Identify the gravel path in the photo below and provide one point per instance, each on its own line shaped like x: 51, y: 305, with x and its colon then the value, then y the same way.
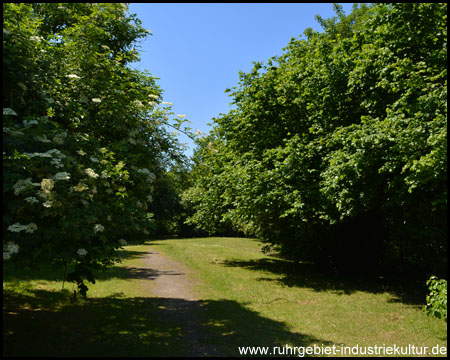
x: 175, y: 290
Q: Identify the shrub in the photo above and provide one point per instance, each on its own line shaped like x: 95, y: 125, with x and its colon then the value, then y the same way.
x: 437, y: 298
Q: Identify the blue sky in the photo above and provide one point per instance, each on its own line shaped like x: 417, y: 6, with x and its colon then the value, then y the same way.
x: 197, y: 49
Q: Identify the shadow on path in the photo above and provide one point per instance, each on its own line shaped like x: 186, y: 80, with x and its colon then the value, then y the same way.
x: 45, y: 324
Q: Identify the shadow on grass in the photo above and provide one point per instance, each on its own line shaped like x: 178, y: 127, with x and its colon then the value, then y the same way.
x: 311, y: 276
x: 55, y: 272
x: 126, y: 254
x: 44, y: 323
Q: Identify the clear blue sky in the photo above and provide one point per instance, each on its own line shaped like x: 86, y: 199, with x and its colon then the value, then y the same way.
x: 198, y: 49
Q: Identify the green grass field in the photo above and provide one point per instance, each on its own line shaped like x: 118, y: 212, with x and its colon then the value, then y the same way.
x: 246, y: 299
x: 298, y: 305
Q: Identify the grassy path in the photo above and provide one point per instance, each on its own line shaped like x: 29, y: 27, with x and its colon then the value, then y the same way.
x: 206, y: 297
x: 145, y: 306
x: 296, y: 304
x: 174, y: 289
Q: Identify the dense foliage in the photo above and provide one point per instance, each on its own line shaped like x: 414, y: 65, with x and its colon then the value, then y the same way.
x: 437, y: 298
x: 336, y: 151
x: 86, y: 144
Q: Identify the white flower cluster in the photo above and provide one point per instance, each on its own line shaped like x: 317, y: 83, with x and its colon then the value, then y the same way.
x: 47, y: 204
x: 97, y: 100
x: 22, y: 185
x: 81, y: 152
x: 94, y: 159
x: 9, y: 249
x: 61, y: 176
x: 18, y: 227
x: 82, y: 252
x: 91, y: 173
x: 47, y: 185
x: 46, y: 191
x: 138, y: 103
x: 9, y: 111
x: 36, y: 38
x: 8, y: 131
x: 151, y: 176
x: 59, y: 138
x: 31, y: 200
x: 28, y: 123
x: 32, y: 155
x: 153, y: 96
x: 42, y: 138
x: 80, y: 187
x: 57, y: 163
x: 181, y: 116
x: 48, y: 154
x: 98, y: 228
x: 167, y: 103
x: 73, y: 76
x: 56, y: 152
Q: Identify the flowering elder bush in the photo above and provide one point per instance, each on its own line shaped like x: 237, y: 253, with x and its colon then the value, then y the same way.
x: 84, y: 136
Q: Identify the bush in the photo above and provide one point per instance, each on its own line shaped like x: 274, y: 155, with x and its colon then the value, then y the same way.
x: 437, y: 298
x: 85, y: 142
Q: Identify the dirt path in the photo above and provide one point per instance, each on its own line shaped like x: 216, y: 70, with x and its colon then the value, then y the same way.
x: 174, y: 287
x: 172, y: 280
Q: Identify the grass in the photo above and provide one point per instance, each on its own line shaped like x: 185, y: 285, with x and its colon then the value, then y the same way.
x: 315, y: 307
x: 119, y: 318
x: 247, y: 299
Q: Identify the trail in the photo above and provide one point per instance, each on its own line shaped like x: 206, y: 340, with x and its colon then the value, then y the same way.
x: 174, y: 287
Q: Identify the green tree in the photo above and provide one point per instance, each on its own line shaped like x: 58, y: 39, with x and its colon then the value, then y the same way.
x: 85, y: 136
x: 336, y: 150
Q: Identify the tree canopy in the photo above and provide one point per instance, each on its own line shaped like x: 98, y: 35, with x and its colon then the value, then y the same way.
x: 336, y: 150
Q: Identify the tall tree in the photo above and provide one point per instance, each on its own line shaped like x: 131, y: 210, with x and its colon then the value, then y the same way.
x: 336, y: 150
